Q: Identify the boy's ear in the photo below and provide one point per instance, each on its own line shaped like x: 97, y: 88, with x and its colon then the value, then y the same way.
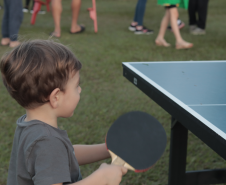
x: 54, y: 98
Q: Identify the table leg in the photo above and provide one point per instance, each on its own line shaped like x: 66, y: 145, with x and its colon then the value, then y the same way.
x: 178, y: 153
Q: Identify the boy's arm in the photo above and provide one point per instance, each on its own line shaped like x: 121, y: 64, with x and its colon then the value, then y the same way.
x: 105, y: 175
x: 86, y: 154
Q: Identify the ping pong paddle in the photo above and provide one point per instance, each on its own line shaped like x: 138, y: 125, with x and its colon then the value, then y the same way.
x: 136, y: 140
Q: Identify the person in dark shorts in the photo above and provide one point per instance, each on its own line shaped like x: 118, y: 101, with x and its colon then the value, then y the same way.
x: 43, y: 77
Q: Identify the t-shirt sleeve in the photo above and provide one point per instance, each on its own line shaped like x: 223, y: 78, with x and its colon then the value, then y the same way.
x: 48, y: 162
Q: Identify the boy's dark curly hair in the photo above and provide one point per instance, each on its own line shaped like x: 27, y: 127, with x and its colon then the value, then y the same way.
x: 32, y: 70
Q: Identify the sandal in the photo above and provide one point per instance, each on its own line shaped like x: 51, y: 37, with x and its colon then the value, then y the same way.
x: 144, y: 31
x: 132, y: 28
x: 82, y: 30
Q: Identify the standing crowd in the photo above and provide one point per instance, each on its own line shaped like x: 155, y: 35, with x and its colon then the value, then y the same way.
x: 13, y: 16
x: 197, y: 24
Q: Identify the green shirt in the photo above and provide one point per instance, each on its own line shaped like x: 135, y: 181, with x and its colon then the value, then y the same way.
x: 182, y: 3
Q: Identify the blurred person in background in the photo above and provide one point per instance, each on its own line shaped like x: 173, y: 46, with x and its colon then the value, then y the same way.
x: 180, y: 24
x: 57, y: 10
x: 137, y: 25
x: 11, y: 22
x: 172, y: 14
x: 197, y: 26
x: 26, y: 8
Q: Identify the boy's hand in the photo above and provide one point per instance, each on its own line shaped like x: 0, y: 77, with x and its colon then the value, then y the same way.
x: 105, y: 175
x: 112, y: 173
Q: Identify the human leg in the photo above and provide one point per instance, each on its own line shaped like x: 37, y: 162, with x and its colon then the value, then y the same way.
x: 56, y: 12
x: 140, y: 10
x: 15, y: 20
x: 202, y: 6
x: 27, y: 4
x: 173, y: 21
x: 5, y: 25
x: 202, y: 13
x: 134, y: 23
x: 180, y: 24
x: 180, y: 42
x: 75, y: 7
x: 160, y: 41
x: 33, y: 3
x: 192, y: 8
x: 25, y: 9
x: 139, y: 14
x: 137, y: 24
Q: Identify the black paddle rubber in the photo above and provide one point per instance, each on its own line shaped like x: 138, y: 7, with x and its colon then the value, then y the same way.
x: 138, y: 139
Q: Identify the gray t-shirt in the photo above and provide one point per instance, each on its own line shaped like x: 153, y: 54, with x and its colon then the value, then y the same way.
x: 41, y: 155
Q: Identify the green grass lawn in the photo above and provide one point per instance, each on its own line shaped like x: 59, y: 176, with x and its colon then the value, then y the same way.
x: 106, y: 94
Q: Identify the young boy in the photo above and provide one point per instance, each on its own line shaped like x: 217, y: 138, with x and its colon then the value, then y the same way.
x: 43, y: 77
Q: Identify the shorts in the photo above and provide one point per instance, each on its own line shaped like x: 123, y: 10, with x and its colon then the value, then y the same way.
x: 171, y: 6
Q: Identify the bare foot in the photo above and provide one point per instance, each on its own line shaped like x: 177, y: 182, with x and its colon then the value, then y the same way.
x: 133, y: 23
x: 5, y: 41
x: 55, y: 34
x: 161, y: 42
x: 77, y: 28
x: 183, y: 45
x: 13, y: 44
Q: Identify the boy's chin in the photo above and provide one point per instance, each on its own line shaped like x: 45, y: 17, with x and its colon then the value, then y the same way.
x: 67, y: 116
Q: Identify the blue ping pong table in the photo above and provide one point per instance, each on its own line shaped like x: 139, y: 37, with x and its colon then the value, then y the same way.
x: 194, y: 94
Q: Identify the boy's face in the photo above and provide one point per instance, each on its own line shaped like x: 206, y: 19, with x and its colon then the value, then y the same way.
x: 71, y: 96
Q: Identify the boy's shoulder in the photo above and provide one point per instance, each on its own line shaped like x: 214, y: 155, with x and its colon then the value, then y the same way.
x: 36, y: 128
x: 31, y: 132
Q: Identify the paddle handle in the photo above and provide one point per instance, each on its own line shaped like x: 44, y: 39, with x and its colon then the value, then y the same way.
x: 116, y: 160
